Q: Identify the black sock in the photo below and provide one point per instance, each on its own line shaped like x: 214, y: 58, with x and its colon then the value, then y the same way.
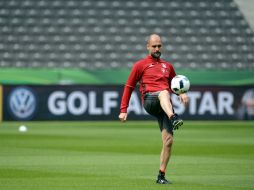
x: 161, y: 173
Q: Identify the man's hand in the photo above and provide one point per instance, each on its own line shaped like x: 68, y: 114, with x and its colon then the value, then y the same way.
x: 123, y: 117
x: 184, y: 99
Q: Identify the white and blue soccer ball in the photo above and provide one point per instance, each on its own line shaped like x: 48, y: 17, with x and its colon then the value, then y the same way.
x: 180, y: 84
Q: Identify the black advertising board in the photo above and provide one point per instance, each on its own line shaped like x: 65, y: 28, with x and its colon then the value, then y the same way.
x: 102, y: 102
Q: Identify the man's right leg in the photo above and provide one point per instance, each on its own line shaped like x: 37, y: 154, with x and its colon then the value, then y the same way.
x: 167, y: 142
x: 153, y: 107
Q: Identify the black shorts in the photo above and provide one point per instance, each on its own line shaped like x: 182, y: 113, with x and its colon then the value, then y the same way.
x: 153, y: 107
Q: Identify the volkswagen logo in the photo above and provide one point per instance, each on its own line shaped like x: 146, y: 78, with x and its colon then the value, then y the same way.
x: 22, y: 103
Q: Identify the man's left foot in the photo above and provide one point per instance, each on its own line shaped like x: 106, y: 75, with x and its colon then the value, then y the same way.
x: 176, y: 121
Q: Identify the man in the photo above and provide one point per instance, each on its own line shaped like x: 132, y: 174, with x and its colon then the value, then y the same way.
x: 154, y: 76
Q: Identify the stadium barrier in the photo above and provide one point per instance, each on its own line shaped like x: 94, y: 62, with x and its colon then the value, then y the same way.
x: 1, y: 103
x: 102, y: 102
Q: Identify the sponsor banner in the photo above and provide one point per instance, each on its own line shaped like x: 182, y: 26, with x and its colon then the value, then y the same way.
x: 1, y: 103
x: 102, y: 102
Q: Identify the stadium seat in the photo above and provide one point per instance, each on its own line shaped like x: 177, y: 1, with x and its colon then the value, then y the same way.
x: 98, y: 34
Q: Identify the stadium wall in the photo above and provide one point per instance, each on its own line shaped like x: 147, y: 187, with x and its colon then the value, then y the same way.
x: 57, y: 76
x: 1, y: 103
x: 102, y: 102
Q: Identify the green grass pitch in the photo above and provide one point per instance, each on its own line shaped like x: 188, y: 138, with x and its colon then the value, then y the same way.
x: 207, y: 155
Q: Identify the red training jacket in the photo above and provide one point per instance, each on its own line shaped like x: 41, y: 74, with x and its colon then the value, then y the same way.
x: 152, y: 74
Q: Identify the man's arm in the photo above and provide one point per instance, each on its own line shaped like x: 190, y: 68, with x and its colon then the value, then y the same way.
x: 184, y: 99
x: 126, y: 98
x: 128, y: 89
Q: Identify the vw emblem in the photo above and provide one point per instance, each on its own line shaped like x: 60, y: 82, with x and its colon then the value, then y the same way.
x: 22, y: 103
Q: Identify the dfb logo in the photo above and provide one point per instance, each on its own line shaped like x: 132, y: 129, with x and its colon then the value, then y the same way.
x: 22, y: 103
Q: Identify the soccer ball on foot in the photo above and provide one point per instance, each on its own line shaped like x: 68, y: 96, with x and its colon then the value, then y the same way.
x: 180, y: 84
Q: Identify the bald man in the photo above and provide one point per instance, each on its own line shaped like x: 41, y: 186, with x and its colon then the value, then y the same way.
x: 154, y: 76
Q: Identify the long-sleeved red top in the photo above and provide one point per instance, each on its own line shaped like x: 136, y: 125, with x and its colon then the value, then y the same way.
x: 152, y: 74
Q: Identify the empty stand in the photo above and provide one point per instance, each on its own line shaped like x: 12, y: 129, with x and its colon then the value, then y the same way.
x: 99, y: 34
